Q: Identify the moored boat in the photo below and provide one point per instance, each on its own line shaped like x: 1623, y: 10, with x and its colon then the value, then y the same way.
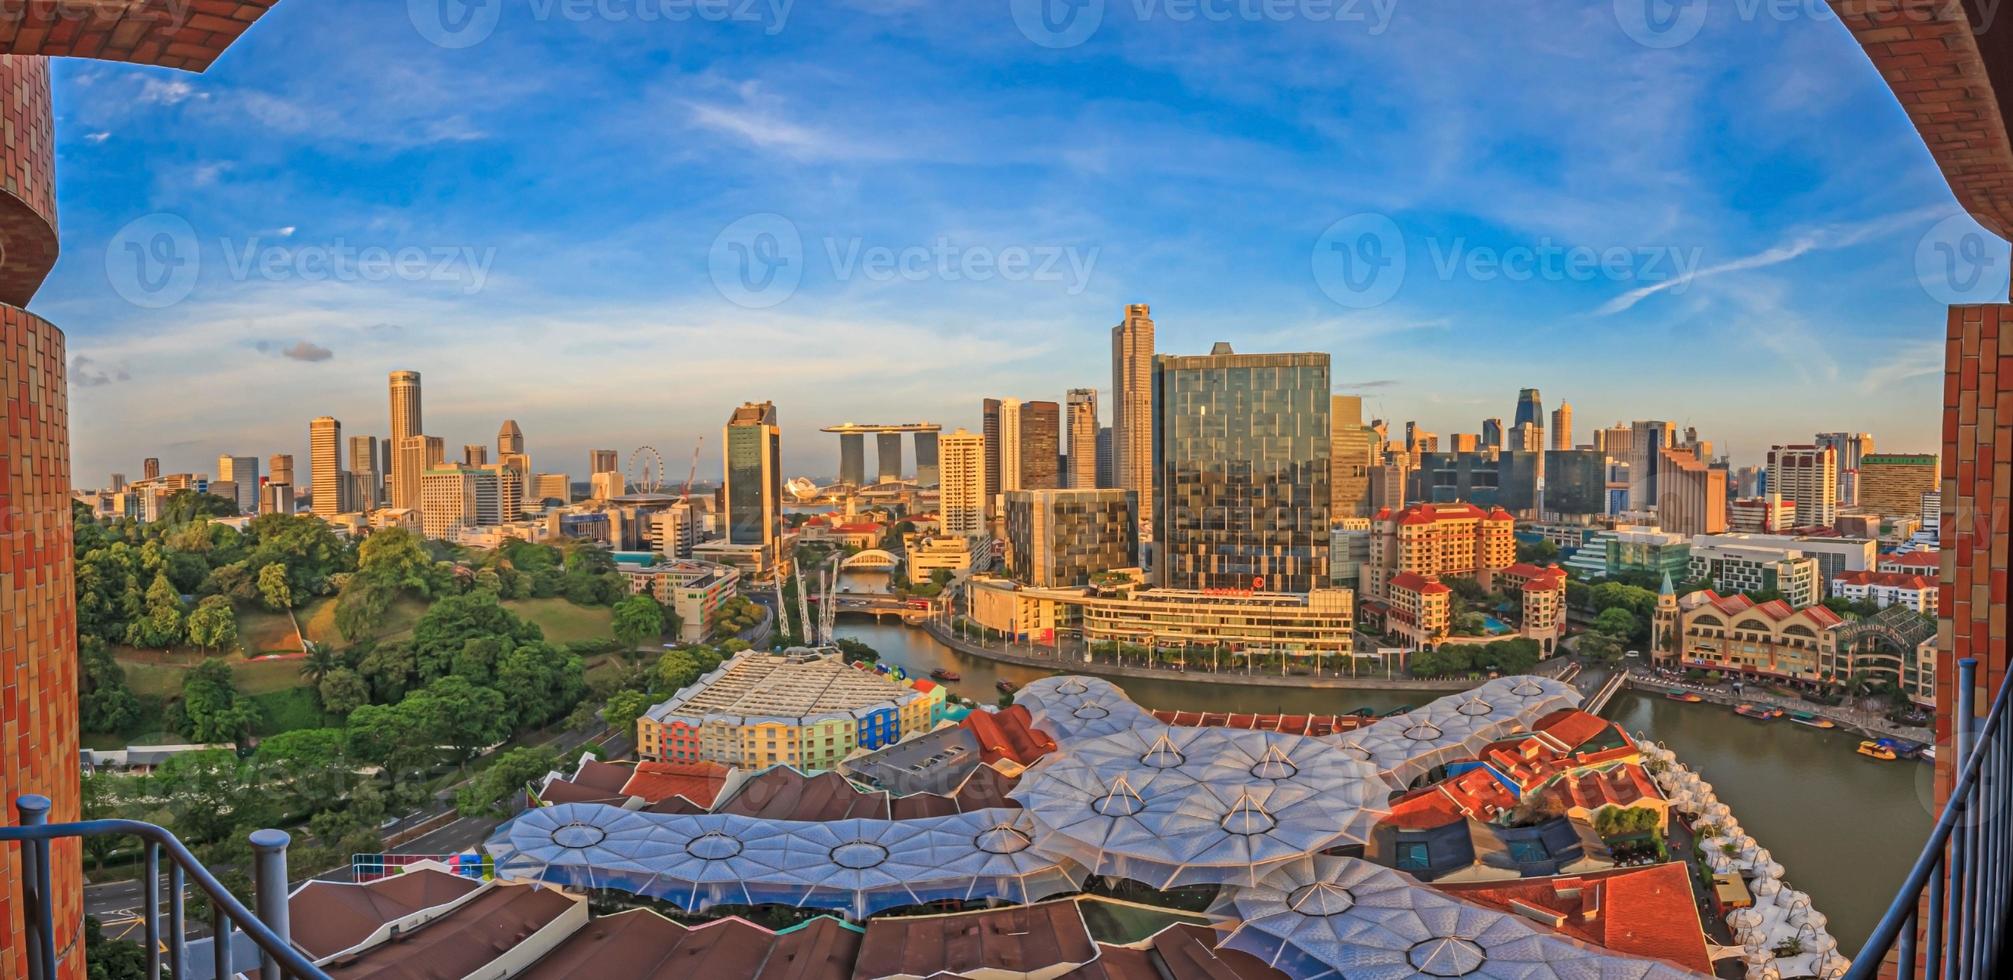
x: 1811, y: 719
x: 1685, y: 696
x: 1757, y: 712
x: 1877, y: 749
x: 945, y: 674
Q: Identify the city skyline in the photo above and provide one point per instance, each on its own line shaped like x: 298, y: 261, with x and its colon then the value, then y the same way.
x: 1779, y: 250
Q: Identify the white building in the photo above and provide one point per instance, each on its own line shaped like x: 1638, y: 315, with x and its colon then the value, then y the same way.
x: 1916, y: 592
x: 961, y: 495
x: 1807, y: 475
x: 1733, y: 566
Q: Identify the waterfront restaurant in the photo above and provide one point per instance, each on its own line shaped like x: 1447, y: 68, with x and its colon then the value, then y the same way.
x: 1317, y: 625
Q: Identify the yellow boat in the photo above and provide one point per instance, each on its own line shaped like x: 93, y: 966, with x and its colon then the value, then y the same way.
x: 1874, y: 749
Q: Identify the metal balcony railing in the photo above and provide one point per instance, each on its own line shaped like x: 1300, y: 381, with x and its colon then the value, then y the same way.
x: 278, y: 959
x: 1949, y: 919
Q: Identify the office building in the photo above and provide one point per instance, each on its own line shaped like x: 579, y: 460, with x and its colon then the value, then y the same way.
x: 1132, y: 387
x: 1576, y: 483
x: 1530, y: 409
x: 242, y: 473
x: 1492, y: 433
x: 1506, y: 479
x: 1040, y: 446
x: 1691, y: 494
x: 475, y: 454
x: 927, y: 472
x: 753, y: 489
x: 1611, y: 552
x: 1104, y: 477
x: 1807, y: 476
x: 603, y: 461
x: 325, y: 466
x: 1080, y: 412
x: 677, y: 530
x: 509, y: 440
x: 1892, y: 484
x: 607, y: 485
x: 962, y: 494
x: 411, y: 459
x: 406, y: 423
x: 1849, y: 451
x: 1761, y: 515
x: 1350, y: 455
x: 1834, y: 554
x: 150, y: 468
x: 1732, y: 566
x: 1562, y: 426
x: 456, y: 497
x: 1006, y: 417
x: 1388, y: 483
x: 1060, y: 538
x: 1646, y: 442
x: 1439, y: 540
x: 551, y: 486
x: 1616, y: 441
x: 1241, y: 462
x: 367, y: 481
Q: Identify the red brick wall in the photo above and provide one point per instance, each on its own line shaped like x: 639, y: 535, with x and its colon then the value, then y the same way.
x: 1977, y: 458
x: 186, y: 34
x: 38, y: 623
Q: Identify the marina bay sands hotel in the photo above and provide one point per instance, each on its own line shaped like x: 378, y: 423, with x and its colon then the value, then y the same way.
x: 887, y: 452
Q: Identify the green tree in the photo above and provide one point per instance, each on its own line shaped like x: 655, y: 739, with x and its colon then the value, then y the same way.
x: 455, y: 620
x: 274, y: 588
x: 676, y: 669
x: 391, y: 669
x: 319, y: 662
x: 361, y: 604
x: 213, y: 625
x: 1616, y: 621
x: 211, y: 707
x: 112, y: 959
x: 460, y: 714
x: 624, y: 707
x: 637, y: 620
x: 161, y: 627
x: 540, y: 683
x: 343, y: 691
x: 397, y: 558
x: 502, y: 779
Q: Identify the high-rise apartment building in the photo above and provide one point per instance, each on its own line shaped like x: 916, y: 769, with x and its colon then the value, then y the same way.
x: 961, y: 497
x: 1132, y: 385
x: 405, y: 424
x: 1434, y: 540
x: 1850, y: 450
x: 1081, y: 415
x: 1691, y: 494
x: 1349, y: 459
x: 1808, y: 476
x: 1562, y: 426
x: 1040, y: 446
x: 1009, y: 450
x: 369, y: 483
x: 1892, y: 484
x: 1530, y: 409
x: 753, y: 488
x: 242, y: 473
x: 475, y: 454
x: 1060, y: 538
x: 325, y: 466
x: 1241, y: 466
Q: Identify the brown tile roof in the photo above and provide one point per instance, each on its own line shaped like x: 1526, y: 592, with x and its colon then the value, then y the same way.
x: 641, y: 945
x: 1018, y: 940
x: 1649, y: 912
x: 783, y: 793
x: 655, y: 782
x: 330, y: 916
x: 608, y: 776
x: 1178, y: 952
x: 461, y: 942
x: 1008, y: 734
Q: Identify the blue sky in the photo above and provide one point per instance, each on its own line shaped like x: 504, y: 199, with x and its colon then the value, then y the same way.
x: 549, y: 215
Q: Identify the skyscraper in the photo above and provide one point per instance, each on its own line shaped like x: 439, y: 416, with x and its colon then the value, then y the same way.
x: 325, y: 466
x: 405, y: 424
x: 413, y: 457
x: 1851, y: 448
x: 1562, y: 426
x: 754, y: 485
x: 1132, y: 402
x: 1060, y: 538
x: 1081, y: 404
x: 475, y: 454
x: 509, y: 440
x: 1807, y: 475
x: 961, y: 500
x: 1241, y: 462
x: 242, y: 472
x: 1009, y: 450
x: 992, y: 428
x: 363, y: 466
x: 1040, y: 446
x: 1646, y: 442
x: 1492, y: 433
x: 150, y: 468
x: 853, y: 459
x: 1349, y: 458
x: 927, y: 474
x: 1530, y: 409
x: 1691, y: 494
x: 1104, y: 477
x: 603, y: 461
x: 510, y: 453
x: 888, y: 457
x: 280, y: 468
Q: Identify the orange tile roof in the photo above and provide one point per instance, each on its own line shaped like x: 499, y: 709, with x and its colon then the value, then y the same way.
x: 1008, y: 734
x: 1891, y: 580
x: 1415, y: 582
x: 1573, y: 727
x: 1650, y: 911
x: 699, y: 782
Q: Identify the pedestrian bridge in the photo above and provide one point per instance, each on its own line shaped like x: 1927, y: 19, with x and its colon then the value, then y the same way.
x: 872, y: 558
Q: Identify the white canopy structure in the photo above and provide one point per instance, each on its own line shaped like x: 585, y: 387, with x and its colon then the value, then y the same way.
x: 1408, y: 746
x: 857, y: 866
x: 1178, y: 806
x: 1081, y: 707
x: 1325, y: 916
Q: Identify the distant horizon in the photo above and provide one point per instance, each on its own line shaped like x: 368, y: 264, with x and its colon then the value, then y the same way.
x: 1741, y: 233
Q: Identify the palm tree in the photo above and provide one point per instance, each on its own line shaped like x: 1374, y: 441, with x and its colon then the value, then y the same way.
x: 320, y: 661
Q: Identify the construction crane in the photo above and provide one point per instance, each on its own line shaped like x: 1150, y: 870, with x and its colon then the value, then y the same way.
x: 685, y: 495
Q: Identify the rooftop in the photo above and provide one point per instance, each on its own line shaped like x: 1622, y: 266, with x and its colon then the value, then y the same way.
x: 780, y: 686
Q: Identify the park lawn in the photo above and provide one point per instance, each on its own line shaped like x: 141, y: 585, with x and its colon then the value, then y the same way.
x: 288, y: 709
x: 152, y: 673
x: 563, y: 621
x: 318, y: 620
x: 263, y: 631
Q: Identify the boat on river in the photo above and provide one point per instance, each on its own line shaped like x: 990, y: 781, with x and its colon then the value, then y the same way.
x: 1758, y: 712
x: 1007, y: 687
x: 946, y: 674
x: 1685, y: 696
x: 1879, y: 748
x: 1812, y: 719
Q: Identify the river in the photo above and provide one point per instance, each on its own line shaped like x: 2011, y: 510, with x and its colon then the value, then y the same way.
x: 1845, y: 827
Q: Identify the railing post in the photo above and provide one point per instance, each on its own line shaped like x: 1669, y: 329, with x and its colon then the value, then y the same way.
x: 1955, y: 909
x: 151, y: 907
x: 269, y: 878
x: 178, y: 928
x: 36, y: 912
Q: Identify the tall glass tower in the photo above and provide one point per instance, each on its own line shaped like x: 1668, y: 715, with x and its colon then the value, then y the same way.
x: 1240, y: 471
x: 1530, y: 408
